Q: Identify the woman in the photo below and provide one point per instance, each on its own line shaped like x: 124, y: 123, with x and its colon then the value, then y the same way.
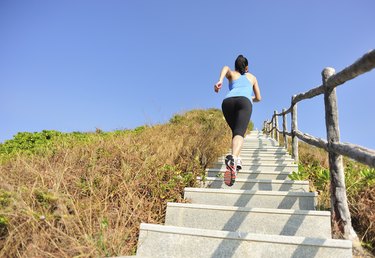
x: 237, y: 107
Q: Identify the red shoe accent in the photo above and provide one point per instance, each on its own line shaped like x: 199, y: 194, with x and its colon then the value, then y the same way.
x: 230, y: 173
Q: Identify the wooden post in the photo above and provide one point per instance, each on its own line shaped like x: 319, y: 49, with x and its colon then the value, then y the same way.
x: 276, y: 126
x: 269, y: 129
x: 294, y: 128
x: 264, y: 126
x: 284, y: 130
x: 340, y: 214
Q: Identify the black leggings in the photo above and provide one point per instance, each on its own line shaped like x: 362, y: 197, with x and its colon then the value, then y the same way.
x: 237, y: 113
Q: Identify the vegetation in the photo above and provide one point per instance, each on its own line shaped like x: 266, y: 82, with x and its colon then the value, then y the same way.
x: 360, y: 184
x: 85, y: 194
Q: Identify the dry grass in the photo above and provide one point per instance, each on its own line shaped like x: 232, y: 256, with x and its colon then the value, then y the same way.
x: 360, y: 183
x: 363, y: 216
x: 88, y: 199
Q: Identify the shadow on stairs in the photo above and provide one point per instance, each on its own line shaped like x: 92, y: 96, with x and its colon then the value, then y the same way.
x: 262, y: 215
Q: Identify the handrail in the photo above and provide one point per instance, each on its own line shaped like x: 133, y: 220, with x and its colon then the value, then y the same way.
x: 362, y: 65
x: 339, y: 206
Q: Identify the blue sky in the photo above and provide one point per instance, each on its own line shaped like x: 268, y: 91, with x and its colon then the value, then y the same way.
x: 81, y: 65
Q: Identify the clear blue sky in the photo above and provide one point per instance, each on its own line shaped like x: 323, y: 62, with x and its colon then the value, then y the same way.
x: 80, y: 65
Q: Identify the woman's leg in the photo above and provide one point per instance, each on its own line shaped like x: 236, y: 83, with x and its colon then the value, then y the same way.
x: 237, y: 143
x: 237, y: 112
x: 229, y: 110
x: 243, y: 115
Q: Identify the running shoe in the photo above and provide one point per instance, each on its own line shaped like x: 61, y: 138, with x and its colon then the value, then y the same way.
x: 230, y: 173
x: 239, y: 164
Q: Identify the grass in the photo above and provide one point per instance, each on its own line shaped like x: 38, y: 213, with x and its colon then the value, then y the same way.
x: 85, y: 194
x: 360, y: 185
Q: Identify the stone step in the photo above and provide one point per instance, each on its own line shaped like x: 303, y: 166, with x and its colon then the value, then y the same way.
x: 260, y: 158
x: 257, y: 151
x: 253, y: 220
x: 256, y: 184
x: 276, y: 175
x: 251, y: 198
x: 249, y: 159
x: 262, y: 155
x: 257, y: 161
x: 261, y: 168
x: 259, y: 141
x: 170, y: 241
x: 260, y: 145
x: 262, y: 150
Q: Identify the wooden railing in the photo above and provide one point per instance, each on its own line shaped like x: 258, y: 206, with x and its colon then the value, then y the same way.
x: 335, y: 148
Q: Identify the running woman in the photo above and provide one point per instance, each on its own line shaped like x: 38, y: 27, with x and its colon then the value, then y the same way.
x: 237, y: 108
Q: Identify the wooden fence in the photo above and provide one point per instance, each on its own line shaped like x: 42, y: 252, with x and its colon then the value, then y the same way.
x: 335, y: 148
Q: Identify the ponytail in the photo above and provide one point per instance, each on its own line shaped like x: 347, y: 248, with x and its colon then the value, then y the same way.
x: 240, y: 64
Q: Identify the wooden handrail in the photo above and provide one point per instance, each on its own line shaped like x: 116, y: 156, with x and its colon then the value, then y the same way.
x: 335, y: 148
x: 362, y: 65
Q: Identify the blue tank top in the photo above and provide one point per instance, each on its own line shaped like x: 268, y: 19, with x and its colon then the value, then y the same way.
x: 241, y: 87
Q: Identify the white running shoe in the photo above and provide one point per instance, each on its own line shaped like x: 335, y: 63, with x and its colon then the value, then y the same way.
x: 239, y: 163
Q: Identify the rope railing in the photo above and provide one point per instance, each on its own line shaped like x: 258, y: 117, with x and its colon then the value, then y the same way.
x: 335, y: 148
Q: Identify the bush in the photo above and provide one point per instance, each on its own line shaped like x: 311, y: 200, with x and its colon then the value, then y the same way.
x: 87, y: 194
x: 360, y: 185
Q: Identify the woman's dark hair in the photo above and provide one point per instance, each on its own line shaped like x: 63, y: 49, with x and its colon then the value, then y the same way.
x: 240, y: 64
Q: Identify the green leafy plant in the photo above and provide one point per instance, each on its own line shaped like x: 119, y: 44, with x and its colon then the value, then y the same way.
x: 5, y: 197
x: 45, y: 198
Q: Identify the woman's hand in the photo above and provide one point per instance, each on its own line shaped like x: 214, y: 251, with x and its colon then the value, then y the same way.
x: 218, y: 85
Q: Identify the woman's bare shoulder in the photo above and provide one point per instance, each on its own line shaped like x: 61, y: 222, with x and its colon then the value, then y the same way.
x: 234, y: 75
x: 251, y: 77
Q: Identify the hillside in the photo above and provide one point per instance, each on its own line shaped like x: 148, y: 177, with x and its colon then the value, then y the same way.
x: 85, y: 194
x: 360, y: 185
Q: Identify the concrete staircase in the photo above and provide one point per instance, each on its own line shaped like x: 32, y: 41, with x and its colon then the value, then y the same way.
x: 262, y: 215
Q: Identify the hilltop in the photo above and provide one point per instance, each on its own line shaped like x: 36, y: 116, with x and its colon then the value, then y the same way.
x: 85, y: 194
x: 71, y: 194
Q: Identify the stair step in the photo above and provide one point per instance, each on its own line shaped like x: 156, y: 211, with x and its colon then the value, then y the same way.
x: 260, y: 145
x: 261, y: 168
x: 253, y: 220
x: 259, y: 142
x: 261, y: 152
x: 264, y: 155
x: 264, y: 214
x: 265, y: 149
x: 266, y: 160
x: 287, y: 167
x: 276, y: 175
x: 251, y: 198
x: 256, y: 184
x: 257, y: 151
x: 252, y: 162
x: 171, y: 241
x: 247, y: 159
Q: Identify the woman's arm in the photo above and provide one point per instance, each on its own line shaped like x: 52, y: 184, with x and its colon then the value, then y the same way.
x: 225, y: 72
x: 256, y: 90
